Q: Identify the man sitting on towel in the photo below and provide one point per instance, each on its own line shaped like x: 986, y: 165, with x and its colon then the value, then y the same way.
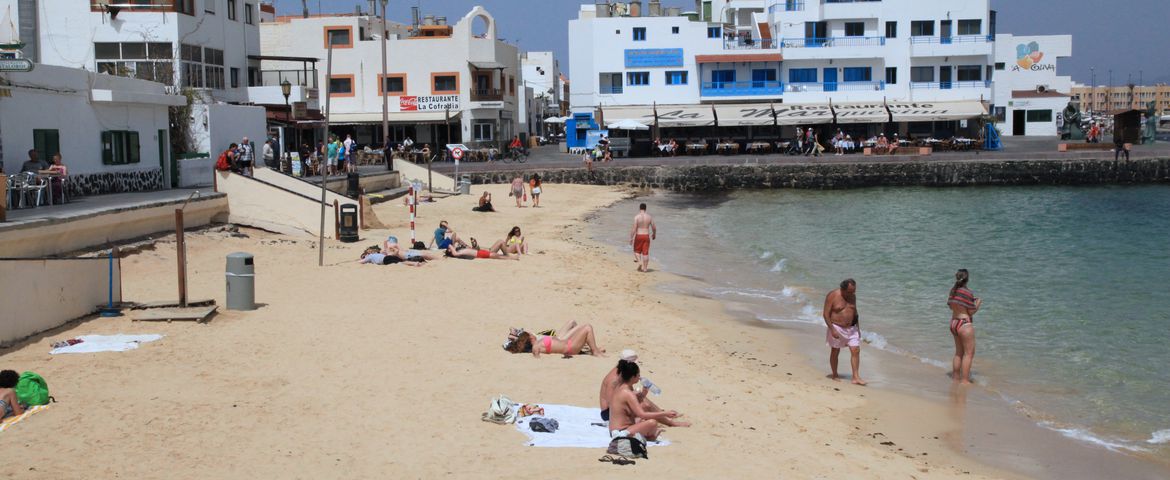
x: 612, y: 380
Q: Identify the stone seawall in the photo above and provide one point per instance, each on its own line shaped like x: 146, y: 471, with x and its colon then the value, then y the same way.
x: 854, y: 175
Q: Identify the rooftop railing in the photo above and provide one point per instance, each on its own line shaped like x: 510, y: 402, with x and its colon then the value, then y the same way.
x: 271, y: 78
x: 826, y: 42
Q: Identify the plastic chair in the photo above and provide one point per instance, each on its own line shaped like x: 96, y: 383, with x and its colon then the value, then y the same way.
x: 34, y: 183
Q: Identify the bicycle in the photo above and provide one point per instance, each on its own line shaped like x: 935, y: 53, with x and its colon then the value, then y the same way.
x: 515, y: 154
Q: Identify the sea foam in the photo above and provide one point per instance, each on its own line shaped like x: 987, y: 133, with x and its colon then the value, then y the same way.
x: 1159, y: 437
x: 779, y: 266
x: 1085, y: 436
x: 766, y: 255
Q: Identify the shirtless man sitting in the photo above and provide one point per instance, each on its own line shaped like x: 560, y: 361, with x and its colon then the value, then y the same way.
x: 841, y: 322
x: 612, y: 381
x: 627, y: 417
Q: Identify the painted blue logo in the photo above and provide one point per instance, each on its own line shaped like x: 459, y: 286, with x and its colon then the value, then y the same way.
x: 654, y: 57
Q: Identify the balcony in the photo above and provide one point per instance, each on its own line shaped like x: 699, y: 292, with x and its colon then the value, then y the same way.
x: 951, y: 46
x: 738, y: 43
x: 825, y: 42
x: 741, y: 89
x: 487, y: 94
x: 787, y: 6
x: 949, y: 85
x: 610, y: 90
x: 273, y: 78
x: 812, y: 48
x: 836, y: 87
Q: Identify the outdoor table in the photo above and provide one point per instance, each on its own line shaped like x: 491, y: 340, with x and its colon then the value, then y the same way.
x: 696, y: 148
x: 727, y: 148
x: 759, y: 147
x: 665, y: 149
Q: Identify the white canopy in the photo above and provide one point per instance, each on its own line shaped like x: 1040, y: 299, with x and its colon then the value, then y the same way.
x: 873, y: 112
x: 685, y: 116
x: 806, y: 114
x: 555, y: 119
x: 643, y: 114
x: 755, y: 114
x: 936, y: 111
x: 627, y: 124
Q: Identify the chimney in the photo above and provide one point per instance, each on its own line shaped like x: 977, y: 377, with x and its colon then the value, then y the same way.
x: 655, y: 8
x: 414, y: 18
x: 429, y: 20
x: 357, y: 10
x: 636, y: 8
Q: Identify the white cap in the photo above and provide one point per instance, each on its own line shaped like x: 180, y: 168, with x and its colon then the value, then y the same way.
x: 629, y: 355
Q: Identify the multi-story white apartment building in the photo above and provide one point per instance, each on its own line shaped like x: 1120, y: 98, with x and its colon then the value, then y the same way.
x: 445, y: 83
x: 541, y: 71
x: 741, y: 62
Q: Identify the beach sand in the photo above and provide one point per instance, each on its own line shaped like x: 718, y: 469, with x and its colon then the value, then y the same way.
x: 359, y: 371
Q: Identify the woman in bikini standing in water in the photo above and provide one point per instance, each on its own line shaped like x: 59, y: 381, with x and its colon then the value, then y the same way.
x: 963, y: 305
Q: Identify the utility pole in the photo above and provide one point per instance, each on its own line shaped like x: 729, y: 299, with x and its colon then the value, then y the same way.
x: 385, y: 107
x: 325, y: 172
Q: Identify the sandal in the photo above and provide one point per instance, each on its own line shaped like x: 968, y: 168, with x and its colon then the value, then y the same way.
x: 616, y: 460
x: 474, y: 244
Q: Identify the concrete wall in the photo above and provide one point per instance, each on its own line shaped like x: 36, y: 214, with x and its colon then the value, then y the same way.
x: 58, y: 236
x: 418, y: 173
x: 254, y: 203
x: 196, y: 172
x: 858, y: 175
x: 216, y: 126
x: 42, y: 294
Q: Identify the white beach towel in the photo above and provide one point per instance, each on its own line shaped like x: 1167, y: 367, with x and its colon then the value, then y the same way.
x: 106, y: 343
x: 576, y: 428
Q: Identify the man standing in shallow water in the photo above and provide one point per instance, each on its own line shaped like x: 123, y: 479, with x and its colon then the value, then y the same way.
x: 644, y: 230
x: 841, y: 321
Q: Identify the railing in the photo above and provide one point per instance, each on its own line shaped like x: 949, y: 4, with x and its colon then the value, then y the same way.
x: 736, y: 43
x: 835, y: 87
x: 273, y: 78
x: 149, y: 5
x: 850, y: 1
x: 949, y: 85
x: 486, y: 94
x: 733, y: 89
x: 954, y: 39
x: 819, y: 42
x: 610, y: 89
x: 787, y: 6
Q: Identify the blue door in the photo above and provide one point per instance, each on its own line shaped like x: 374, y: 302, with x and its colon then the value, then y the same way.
x: 830, y: 79
x: 722, y: 78
x: 763, y: 77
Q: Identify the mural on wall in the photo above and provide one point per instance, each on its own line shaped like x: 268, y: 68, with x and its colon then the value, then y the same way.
x: 1028, y: 56
x: 114, y: 182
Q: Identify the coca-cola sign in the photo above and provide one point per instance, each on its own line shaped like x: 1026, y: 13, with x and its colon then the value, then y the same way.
x: 430, y: 103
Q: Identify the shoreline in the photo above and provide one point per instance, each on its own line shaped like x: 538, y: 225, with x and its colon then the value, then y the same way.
x: 975, y: 430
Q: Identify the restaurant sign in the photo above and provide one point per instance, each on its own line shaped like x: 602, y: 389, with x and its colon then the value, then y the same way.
x: 654, y: 57
x: 16, y: 65
x: 428, y: 103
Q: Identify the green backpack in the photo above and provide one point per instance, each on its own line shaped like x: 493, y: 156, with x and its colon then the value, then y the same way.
x: 32, y: 390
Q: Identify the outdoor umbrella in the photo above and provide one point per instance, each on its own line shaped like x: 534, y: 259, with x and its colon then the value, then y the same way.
x: 627, y: 124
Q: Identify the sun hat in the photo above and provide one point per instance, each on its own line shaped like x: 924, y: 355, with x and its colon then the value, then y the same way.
x: 629, y: 355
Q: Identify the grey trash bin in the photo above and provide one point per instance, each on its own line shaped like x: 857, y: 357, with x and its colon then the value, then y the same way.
x: 465, y: 185
x: 241, y: 281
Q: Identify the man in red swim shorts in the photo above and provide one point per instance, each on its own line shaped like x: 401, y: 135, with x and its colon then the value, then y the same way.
x: 644, y: 230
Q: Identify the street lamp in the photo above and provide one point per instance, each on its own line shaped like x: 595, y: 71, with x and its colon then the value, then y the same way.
x: 286, y: 90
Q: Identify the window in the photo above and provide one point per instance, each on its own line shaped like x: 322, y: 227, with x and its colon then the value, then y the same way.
x: 674, y: 30
x: 637, y: 78
x: 213, y: 68
x: 761, y: 77
x: 119, y: 147
x: 921, y: 74
x: 47, y: 143
x: 1036, y: 116
x: 720, y: 77
x: 971, y: 27
x: 185, y: 6
x: 341, y: 86
x: 999, y: 65
x: 209, y: 6
x: 854, y: 29
x: 609, y: 83
x: 248, y: 15
x: 802, y: 75
x: 970, y: 73
x: 714, y: 32
x: 394, y: 84
x: 639, y: 34
x: 235, y: 77
x: 892, y: 75
x: 922, y: 28
x: 891, y: 29
x: 152, y: 61
x: 858, y: 74
x: 511, y: 85
x: 231, y: 8
x: 446, y: 82
x: 481, y: 131
x: 341, y: 37
x: 677, y: 77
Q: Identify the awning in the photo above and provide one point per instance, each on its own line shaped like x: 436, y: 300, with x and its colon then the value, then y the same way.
x: 803, y: 114
x: 936, y: 111
x: 755, y: 114
x: 643, y: 114
x: 395, y: 117
x: 873, y: 112
x: 488, y: 65
x: 684, y: 116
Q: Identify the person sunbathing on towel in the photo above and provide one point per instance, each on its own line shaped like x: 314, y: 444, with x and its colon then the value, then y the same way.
x: 568, y: 343
x: 374, y: 256
x: 627, y: 417
x: 612, y: 381
x: 474, y: 253
x: 9, y: 406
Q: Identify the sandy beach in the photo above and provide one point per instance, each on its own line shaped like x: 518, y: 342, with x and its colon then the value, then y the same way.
x: 358, y: 371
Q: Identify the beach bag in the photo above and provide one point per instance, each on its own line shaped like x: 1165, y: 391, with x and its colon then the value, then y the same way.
x: 222, y: 164
x: 32, y: 390
x: 544, y: 424
x: 629, y: 447
x: 502, y: 410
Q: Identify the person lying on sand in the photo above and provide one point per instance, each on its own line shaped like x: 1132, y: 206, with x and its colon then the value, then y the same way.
x: 627, y: 417
x: 569, y: 343
x: 612, y: 381
x: 412, y: 254
x: 9, y: 406
x: 374, y: 256
x: 474, y: 253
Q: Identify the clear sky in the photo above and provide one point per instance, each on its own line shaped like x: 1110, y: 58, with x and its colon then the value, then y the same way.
x: 1117, y: 35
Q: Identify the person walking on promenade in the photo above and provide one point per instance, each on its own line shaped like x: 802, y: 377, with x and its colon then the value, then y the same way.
x: 964, y: 304
x: 247, y: 156
x: 640, y: 236
x: 842, y: 329
x: 349, y: 153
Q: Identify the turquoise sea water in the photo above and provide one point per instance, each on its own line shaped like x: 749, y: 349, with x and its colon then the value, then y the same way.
x: 1075, y: 326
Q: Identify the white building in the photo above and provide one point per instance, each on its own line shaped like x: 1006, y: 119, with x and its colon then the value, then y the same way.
x: 924, y: 64
x: 541, y: 72
x: 440, y: 78
x: 1029, y: 95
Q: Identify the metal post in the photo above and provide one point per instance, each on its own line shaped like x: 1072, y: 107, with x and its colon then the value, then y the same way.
x: 181, y: 249
x: 382, y: 87
x: 324, y: 174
